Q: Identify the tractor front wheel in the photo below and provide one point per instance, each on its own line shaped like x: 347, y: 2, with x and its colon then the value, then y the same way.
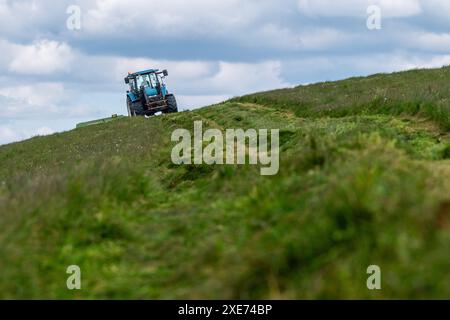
x: 171, y: 104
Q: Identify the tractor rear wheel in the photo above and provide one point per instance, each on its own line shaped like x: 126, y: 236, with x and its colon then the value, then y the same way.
x: 171, y: 104
x: 138, y: 110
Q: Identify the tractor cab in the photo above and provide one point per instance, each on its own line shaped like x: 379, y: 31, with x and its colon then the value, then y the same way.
x: 148, y: 93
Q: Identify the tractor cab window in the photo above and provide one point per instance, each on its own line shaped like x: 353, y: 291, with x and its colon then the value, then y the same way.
x: 153, y: 80
x: 142, y: 81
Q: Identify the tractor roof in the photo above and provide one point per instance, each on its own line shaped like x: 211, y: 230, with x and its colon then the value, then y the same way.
x: 140, y: 73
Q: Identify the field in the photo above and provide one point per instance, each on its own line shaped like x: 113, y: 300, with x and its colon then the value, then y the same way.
x: 364, y: 179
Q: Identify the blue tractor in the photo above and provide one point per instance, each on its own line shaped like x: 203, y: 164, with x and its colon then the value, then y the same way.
x: 148, y: 94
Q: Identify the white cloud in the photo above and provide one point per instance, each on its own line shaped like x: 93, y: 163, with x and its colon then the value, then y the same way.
x: 174, y: 17
x: 437, y: 9
x: 44, y: 131
x: 9, y: 134
x: 8, y: 51
x: 29, y: 100
x: 239, y: 78
x: 43, y: 57
x: 437, y: 61
x: 358, y: 8
x: 186, y: 102
x: 12, y: 133
x: 429, y: 41
x: 325, y: 38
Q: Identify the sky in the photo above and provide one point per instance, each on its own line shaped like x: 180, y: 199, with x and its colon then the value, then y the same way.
x: 63, y: 62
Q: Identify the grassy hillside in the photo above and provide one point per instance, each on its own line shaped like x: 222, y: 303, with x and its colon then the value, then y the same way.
x: 364, y: 179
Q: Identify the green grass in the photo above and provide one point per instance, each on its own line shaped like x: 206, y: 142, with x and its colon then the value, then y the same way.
x: 416, y: 92
x: 364, y: 179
